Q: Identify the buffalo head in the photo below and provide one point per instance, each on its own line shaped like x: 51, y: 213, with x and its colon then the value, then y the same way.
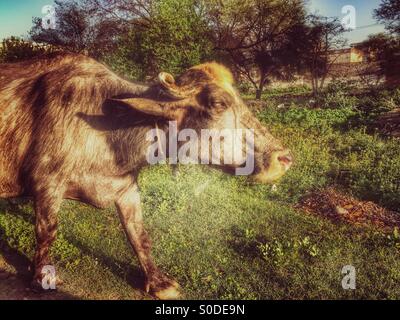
x: 204, y: 97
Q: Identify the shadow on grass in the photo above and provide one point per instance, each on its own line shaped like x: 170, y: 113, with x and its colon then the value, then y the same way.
x: 245, y: 244
x: 16, y: 286
x: 14, y: 205
x: 123, y: 270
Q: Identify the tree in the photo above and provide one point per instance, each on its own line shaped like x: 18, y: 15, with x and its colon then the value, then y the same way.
x: 384, y: 50
x: 173, y: 37
x: 135, y: 37
x: 316, y: 45
x: 126, y: 12
x: 79, y: 29
x: 389, y: 14
x: 253, y: 35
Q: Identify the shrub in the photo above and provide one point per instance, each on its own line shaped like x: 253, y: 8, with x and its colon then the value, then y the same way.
x: 15, y: 49
x: 338, y: 95
x: 245, y: 87
x: 174, y: 41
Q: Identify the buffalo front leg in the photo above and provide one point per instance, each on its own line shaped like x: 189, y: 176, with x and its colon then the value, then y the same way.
x: 130, y: 212
x: 46, y: 208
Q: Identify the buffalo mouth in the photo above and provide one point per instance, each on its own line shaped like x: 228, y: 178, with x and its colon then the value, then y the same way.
x: 279, y: 163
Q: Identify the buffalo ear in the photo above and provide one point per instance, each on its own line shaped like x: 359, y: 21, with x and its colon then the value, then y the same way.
x: 150, y: 107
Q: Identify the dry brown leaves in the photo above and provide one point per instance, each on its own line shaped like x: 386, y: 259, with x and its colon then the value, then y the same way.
x: 389, y: 123
x: 338, y: 207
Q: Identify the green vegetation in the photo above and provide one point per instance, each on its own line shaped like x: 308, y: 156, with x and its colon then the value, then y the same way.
x: 220, y: 237
x: 337, y: 147
x: 224, y: 239
x: 176, y: 39
x: 15, y: 49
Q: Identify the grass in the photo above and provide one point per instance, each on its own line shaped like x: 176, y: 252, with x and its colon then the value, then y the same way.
x: 223, y: 239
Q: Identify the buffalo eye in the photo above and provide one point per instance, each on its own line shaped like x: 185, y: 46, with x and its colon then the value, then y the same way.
x: 219, y: 104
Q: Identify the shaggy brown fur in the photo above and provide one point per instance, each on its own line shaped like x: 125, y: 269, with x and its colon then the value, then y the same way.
x: 72, y: 129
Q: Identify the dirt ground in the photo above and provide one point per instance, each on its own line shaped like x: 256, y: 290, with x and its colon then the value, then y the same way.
x: 15, y: 277
x: 339, y: 207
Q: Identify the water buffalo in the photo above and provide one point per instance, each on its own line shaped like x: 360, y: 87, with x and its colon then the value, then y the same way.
x: 72, y: 129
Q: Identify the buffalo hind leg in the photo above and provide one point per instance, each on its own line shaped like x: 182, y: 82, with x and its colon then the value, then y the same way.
x: 130, y: 212
x: 46, y: 208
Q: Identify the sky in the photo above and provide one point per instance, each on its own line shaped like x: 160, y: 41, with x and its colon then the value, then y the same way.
x: 16, y: 15
x: 365, y: 22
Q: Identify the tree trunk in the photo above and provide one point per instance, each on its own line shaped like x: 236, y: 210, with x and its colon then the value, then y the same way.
x: 315, y: 85
x: 258, y: 94
x: 260, y: 88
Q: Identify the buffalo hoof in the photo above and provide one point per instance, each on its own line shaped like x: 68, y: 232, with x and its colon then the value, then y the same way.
x: 169, y: 293
x: 164, y: 288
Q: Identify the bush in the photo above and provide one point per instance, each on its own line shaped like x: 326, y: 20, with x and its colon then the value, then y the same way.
x: 15, y: 49
x: 174, y: 41
x: 338, y: 94
x: 245, y: 87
